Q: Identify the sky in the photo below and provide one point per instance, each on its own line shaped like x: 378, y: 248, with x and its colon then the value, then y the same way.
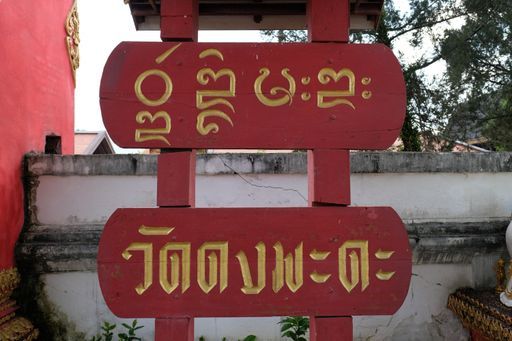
x: 103, y: 25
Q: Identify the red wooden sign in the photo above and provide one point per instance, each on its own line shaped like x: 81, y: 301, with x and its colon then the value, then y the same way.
x: 204, y: 95
x: 322, y: 261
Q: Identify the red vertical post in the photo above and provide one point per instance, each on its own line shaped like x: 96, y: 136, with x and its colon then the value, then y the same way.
x: 328, y: 177
x: 331, y: 328
x: 179, y: 20
x: 328, y: 20
x: 176, y: 175
x: 176, y: 178
x: 175, y: 329
x: 329, y: 170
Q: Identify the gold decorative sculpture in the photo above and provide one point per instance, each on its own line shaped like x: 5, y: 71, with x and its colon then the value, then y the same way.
x: 500, y: 276
x: 73, y: 39
x: 506, y: 296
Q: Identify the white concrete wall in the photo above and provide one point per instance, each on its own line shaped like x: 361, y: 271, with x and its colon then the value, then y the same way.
x: 416, y: 196
x: 69, y: 199
x: 423, y: 315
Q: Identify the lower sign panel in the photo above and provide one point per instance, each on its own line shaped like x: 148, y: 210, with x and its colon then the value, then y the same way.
x: 206, y: 262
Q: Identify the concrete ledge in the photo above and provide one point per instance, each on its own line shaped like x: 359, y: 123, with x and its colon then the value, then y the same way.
x: 48, y: 249
x: 263, y: 163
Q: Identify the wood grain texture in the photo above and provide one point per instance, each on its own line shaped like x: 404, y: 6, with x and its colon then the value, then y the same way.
x: 323, y: 234
x: 222, y: 95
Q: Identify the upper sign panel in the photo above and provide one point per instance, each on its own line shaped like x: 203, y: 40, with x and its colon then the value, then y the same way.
x: 272, y: 96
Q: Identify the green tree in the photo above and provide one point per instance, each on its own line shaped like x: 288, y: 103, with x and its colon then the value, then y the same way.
x: 473, y: 95
x: 479, y: 70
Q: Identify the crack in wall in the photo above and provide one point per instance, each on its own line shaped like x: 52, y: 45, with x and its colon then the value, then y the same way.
x: 260, y: 186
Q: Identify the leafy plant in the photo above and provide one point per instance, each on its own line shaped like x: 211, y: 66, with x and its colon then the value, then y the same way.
x: 294, y: 327
x: 131, y: 332
x: 108, y: 332
x: 249, y: 338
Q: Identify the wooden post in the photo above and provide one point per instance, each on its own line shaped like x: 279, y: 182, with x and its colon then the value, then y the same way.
x: 328, y: 177
x: 328, y: 21
x: 179, y: 20
x: 176, y: 175
x: 175, y: 329
x: 329, y: 170
x: 176, y: 178
x: 331, y: 328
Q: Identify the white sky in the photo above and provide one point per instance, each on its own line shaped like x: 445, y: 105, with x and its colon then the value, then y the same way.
x: 103, y: 25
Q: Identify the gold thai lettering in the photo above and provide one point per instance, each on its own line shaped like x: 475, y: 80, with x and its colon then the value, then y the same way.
x: 305, y: 96
x: 147, y: 249
x: 163, y: 98
x: 203, y: 78
x: 214, y: 268
x: 384, y: 275
x: 148, y: 134
x: 287, y: 268
x: 161, y: 58
x: 380, y: 254
x: 318, y: 277
x: 218, y: 97
x: 366, y: 80
x: 184, y: 248
x: 288, y: 94
x: 381, y: 274
x: 205, y: 130
x: 175, y: 264
x: 359, y: 265
x: 249, y: 288
x: 155, y: 231
x: 319, y: 255
x: 211, y: 53
x: 325, y: 76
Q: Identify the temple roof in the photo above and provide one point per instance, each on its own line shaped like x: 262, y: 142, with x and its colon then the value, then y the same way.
x: 254, y: 14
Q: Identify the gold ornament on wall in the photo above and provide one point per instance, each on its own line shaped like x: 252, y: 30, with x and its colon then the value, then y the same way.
x: 9, y: 280
x: 12, y: 327
x: 73, y: 39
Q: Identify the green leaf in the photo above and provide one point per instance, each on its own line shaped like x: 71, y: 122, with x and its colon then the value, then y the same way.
x: 289, y: 334
x: 286, y: 326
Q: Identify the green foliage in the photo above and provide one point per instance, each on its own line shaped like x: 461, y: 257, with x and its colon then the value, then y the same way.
x: 108, y: 332
x: 479, y: 67
x: 472, y: 96
x: 285, y: 36
x: 294, y: 327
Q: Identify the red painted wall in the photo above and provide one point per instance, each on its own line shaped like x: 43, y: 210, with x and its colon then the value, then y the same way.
x: 36, y: 99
